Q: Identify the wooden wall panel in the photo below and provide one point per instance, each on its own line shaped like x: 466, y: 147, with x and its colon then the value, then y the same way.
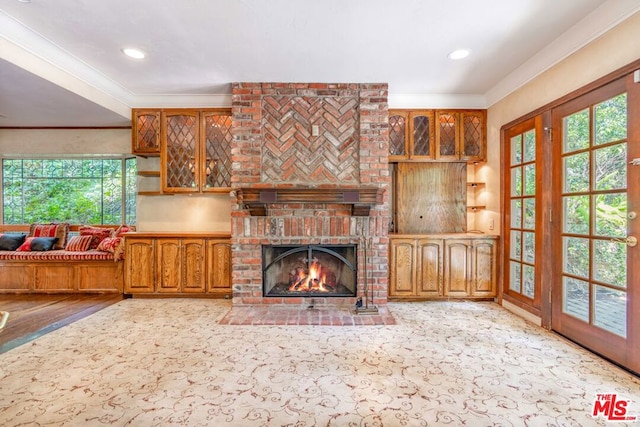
x: 431, y: 198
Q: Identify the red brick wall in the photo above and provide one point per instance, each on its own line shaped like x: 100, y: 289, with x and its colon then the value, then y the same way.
x: 274, y: 146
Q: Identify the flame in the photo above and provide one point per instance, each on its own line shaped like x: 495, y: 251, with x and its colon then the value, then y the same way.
x: 314, y: 281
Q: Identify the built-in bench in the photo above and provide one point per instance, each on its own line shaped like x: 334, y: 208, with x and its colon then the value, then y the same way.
x: 59, y: 271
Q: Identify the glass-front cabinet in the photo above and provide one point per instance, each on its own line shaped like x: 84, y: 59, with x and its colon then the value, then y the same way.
x: 437, y: 135
x: 146, y: 132
x: 195, y: 151
x: 411, y: 135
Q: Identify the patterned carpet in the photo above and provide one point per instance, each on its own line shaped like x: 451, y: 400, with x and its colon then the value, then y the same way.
x: 167, y: 362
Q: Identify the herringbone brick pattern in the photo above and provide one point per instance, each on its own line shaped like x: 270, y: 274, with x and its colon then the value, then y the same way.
x: 291, y: 154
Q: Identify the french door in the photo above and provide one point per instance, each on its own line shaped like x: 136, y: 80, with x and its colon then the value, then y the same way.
x: 596, y: 198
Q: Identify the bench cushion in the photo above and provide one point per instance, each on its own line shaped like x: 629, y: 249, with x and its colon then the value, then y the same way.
x: 56, y: 255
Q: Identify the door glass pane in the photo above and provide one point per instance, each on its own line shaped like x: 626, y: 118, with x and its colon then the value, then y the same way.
x: 528, y: 280
x: 575, y: 298
x: 576, y: 132
x: 530, y: 179
x: 576, y: 256
x: 528, y: 247
x: 447, y: 134
x: 576, y: 214
x: 610, y: 168
x: 529, y: 213
x: 530, y: 146
x: 516, y: 245
x: 514, y: 276
x: 610, y: 311
x: 516, y: 181
x: 576, y: 173
x: 516, y: 213
x: 516, y: 150
x: 610, y: 262
x: 611, y: 120
x: 611, y: 215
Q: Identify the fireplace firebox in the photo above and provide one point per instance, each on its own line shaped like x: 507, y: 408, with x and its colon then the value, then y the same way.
x: 309, y: 270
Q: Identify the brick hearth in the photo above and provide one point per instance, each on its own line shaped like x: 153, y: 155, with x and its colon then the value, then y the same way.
x: 311, y: 135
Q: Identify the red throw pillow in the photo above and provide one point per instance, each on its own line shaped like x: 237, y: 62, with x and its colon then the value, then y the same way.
x: 115, y: 245
x: 59, y: 230
x: 26, y: 246
x: 124, y: 228
x: 98, y: 234
x: 79, y: 243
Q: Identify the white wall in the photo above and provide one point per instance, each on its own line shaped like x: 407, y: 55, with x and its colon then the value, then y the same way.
x: 615, y: 49
x: 157, y: 213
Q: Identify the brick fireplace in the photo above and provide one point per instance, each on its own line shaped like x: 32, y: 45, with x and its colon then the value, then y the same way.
x: 309, y: 168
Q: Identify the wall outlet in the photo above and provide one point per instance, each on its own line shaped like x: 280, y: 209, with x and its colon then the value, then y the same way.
x: 492, y: 224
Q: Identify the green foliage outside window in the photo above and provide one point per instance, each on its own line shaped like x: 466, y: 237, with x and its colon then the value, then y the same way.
x: 75, y: 190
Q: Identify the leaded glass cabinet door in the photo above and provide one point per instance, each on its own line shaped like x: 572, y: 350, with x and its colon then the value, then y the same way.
x: 398, y: 135
x: 472, y: 135
x: 180, y: 169
x: 594, y: 292
x: 215, y: 164
x: 422, y: 134
x: 447, y: 134
x: 146, y: 132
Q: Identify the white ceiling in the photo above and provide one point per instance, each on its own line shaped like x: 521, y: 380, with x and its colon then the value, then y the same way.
x: 61, y: 64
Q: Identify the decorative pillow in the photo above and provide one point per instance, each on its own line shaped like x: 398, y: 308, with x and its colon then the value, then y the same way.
x: 115, y: 245
x: 79, y: 243
x: 60, y: 230
x: 98, y: 234
x: 124, y: 228
x: 39, y: 244
x: 11, y: 242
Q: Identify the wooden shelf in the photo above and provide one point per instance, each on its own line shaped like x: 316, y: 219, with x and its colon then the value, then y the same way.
x: 475, y: 184
x: 153, y: 193
x: 476, y: 208
x: 149, y: 173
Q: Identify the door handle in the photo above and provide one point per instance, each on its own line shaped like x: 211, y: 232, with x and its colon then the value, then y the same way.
x: 629, y: 241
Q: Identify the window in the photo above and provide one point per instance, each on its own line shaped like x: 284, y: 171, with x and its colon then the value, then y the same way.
x: 76, y: 190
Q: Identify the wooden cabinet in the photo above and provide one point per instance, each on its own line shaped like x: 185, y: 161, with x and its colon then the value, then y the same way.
x: 139, y: 265
x: 194, y: 146
x: 437, y: 135
x: 442, y: 266
x: 195, y: 151
x: 461, y: 135
x: 218, y: 266
x: 411, y: 135
x: 174, y: 264
x: 145, y: 132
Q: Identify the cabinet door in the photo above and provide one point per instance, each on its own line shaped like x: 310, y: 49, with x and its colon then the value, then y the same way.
x: 180, y: 168
x: 473, y: 140
x: 398, y: 135
x: 139, y: 265
x: 193, y: 255
x: 447, y: 135
x: 483, y: 270
x: 457, y: 268
x: 218, y: 266
x: 429, y: 278
x: 215, y: 162
x: 145, y: 135
x: 169, y: 265
x: 402, y: 268
x: 421, y: 135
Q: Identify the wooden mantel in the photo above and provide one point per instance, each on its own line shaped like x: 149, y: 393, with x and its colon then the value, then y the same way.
x: 361, y: 199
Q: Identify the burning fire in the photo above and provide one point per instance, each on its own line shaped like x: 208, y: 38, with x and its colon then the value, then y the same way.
x: 316, y: 280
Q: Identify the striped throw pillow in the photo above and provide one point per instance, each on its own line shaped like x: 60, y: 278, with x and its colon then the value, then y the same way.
x: 79, y: 243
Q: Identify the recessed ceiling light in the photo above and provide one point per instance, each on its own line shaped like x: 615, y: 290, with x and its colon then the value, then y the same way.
x: 24, y: 1
x: 133, y: 53
x: 459, y: 54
